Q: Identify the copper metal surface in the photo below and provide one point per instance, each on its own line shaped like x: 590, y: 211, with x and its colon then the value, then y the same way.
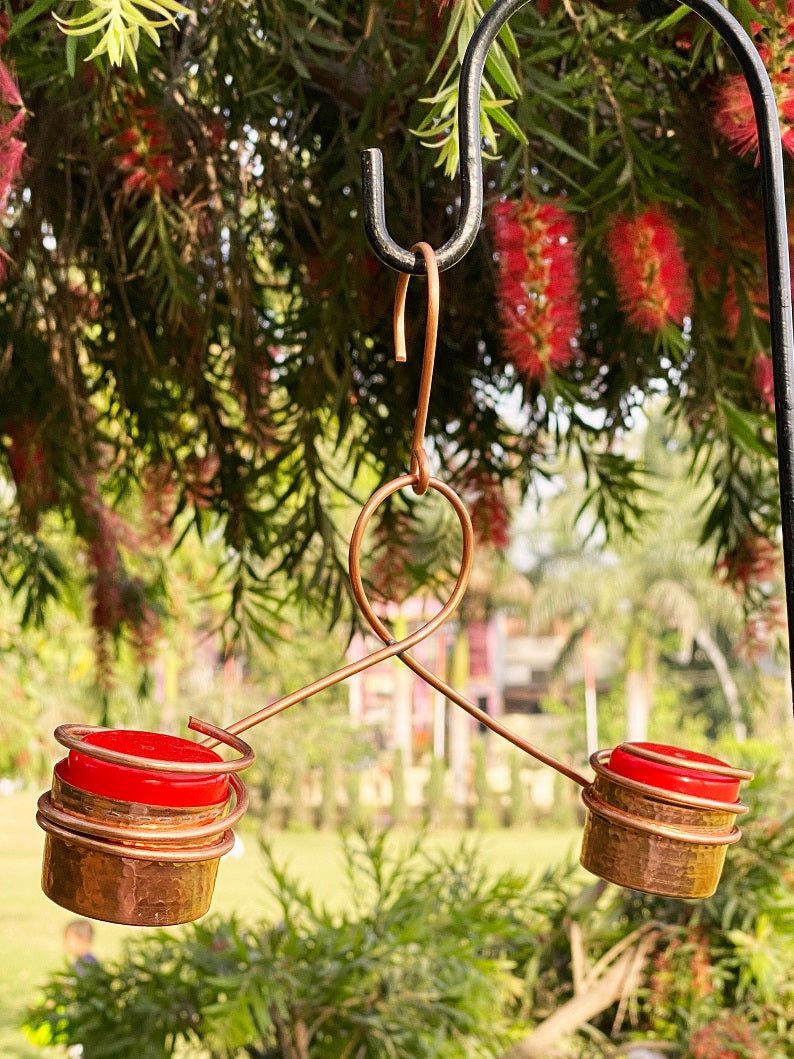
x: 155, y: 873
x: 137, y: 864
x: 655, y: 840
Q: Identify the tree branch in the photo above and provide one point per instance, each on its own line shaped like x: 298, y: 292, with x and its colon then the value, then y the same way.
x: 621, y: 978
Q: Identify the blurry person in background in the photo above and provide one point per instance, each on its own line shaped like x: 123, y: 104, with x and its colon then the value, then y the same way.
x: 78, y: 941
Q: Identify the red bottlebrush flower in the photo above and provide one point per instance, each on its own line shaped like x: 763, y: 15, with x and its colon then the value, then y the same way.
x: 753, y: 561
x: 681, y: 973
x: 31, y: 470
x: 216, y: 128
x: 727, y: 1037
x: 389, y: 576
x: 734, y: 118
x: 12, y: 127
x: 144, y: 152
x: 731, y: 312
x: 650, y: 270
x: 12, y: 157
x: 763, y: 378
x: 118, y: 601
x: 5, y: 27
x: 9, y: 89
x: 490, y: 516
x: 201, y: 476
x: 537, y: 284
x: 87, y: 301
x: 159, y: 503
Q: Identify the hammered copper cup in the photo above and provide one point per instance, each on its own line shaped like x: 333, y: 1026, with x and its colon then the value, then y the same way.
x: 128, y: 859
x: 651, y: 825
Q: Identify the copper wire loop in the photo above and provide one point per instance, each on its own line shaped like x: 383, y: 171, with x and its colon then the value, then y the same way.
x: 419, y: 463
x: 182, y: 855
x: 154, y: 832
x: 674, y: 797
x: 400, y: 648
x: 72, y: 737
x: 156, y: 842
x: 713, y: 767
x: 710, y: 837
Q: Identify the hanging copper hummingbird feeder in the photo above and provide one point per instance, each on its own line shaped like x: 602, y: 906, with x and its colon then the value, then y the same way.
x: 136, y: 823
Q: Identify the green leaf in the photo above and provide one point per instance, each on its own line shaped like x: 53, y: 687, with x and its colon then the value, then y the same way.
x: 745, y: 428
x: 71, y: 55
x: 33, y: 12
x: 503, y: 118
x: 563, y: 146
x: 672, y: 19
x: 499, y: 68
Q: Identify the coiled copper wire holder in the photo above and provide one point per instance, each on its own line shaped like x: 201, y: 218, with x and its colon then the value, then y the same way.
x: 648, y: 837
x: 137, y: 862
x: 150, y: 864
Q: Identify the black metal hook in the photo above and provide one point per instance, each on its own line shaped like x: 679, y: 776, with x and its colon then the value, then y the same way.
x: 771, y: 164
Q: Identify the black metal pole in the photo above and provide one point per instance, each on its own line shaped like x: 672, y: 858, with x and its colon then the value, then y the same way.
x: 771, y: 163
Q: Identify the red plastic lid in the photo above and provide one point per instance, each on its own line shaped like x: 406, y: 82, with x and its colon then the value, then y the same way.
x: 146, y: 786
x: 675, y: 777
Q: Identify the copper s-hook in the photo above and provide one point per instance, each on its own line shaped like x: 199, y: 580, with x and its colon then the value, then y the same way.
x: 419, y: 461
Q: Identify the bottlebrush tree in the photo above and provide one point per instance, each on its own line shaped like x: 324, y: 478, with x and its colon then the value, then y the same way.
x: 189, y: 311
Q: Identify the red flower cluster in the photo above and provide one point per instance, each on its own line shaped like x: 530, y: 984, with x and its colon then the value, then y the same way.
x: 538, y: 284
x: 763, y: 378
x: 651, y: 274
x: 145, y: 159
x: 31, y: 470
x: 726, y: 1037
x: 117, y: 598
x: 12, y: 149
x: 750, y: 568
x: 202, y: 487
x: 681, y: 972
x: 734, y: 117
x: 490, y: 516
x: 753, y: 561
x: 390, y: 575
x: 159, y: 503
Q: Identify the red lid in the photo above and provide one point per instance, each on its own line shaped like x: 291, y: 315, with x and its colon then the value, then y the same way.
x: 147, y: 786
x: 675, y: 777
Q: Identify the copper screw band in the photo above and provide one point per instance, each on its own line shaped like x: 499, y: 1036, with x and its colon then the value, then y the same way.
x: 71, y: 736
x: 654, y: 827
x: 676, y: 797
x: 187, y: 855
x: 698, y: 766
x: 159, y: 834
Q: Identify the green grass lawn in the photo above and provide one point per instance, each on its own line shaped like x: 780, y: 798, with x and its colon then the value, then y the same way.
x: 31, y: 929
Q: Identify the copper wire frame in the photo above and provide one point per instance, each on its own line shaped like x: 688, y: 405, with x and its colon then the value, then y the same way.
x: 164, y: 844
x: 677, y: 798
x: 161, y: 843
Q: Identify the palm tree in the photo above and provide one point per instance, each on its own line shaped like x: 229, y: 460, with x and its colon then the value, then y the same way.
x: 632, y: 593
